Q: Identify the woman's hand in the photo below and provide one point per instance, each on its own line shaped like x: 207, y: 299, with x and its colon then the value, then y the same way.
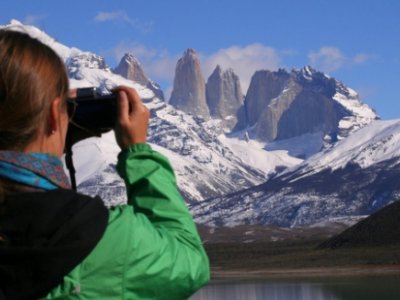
x: 133, y: 118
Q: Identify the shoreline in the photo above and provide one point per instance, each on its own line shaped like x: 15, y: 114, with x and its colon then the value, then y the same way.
x: 311, y: 272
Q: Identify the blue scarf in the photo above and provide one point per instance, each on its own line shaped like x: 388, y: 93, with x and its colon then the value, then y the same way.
x: 38, y: 170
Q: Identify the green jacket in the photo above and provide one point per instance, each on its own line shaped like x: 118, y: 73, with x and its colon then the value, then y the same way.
x: 151, y: 248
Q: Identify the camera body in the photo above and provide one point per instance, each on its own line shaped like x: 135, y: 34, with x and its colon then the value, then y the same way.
x: 94, y: 111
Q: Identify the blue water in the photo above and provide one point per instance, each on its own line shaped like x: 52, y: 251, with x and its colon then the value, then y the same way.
x: 351, y: 288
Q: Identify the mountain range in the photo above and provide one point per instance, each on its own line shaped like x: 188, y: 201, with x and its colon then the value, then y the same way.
x: 206, y: 166
x: 278, y: 105
x: 298, y: 148
x: 356, y: 177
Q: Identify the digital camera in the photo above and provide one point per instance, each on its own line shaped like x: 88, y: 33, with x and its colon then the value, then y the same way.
x: 93, y: 111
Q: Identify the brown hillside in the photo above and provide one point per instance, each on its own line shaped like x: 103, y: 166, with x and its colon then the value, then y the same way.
x: 380, y: 229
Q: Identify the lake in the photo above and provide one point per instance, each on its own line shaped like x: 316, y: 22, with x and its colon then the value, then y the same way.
x: 343, y: 288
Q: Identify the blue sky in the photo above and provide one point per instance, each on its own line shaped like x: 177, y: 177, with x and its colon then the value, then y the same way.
x: 357, y: 42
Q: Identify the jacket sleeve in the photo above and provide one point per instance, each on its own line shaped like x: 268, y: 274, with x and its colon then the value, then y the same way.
x: 166, y: 249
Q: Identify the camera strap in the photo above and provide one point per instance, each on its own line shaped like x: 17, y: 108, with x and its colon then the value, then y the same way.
x: 69, y: 161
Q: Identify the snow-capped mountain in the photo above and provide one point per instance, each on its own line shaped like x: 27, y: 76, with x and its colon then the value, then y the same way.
x: 355, y: 178
x: 205, y: 165
x: 282, y: 105
x: 278, y: 106
x: 85, y: 69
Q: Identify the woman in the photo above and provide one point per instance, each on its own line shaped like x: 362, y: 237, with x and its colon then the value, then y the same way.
x: 58, y: 244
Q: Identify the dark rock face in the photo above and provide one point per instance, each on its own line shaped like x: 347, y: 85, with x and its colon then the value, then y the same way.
x: 130, y: 68
x: 281, y: 105
x: 265, y: 103
x: 309, y: 112
x: 189, y: 93
x: 264, y: 86
x: 224, y: 96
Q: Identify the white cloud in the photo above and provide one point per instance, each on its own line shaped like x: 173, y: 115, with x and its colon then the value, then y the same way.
x: 329, y: 59
x: 290, y: 52
x: 33, y: 20
x: 109, y: 16
x: 243, y: 60
x: 160, y: 65
x: 361, y: 58
x: 122, y: 16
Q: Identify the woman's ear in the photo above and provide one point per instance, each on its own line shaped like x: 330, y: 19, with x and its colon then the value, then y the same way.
x: 54, y: 116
